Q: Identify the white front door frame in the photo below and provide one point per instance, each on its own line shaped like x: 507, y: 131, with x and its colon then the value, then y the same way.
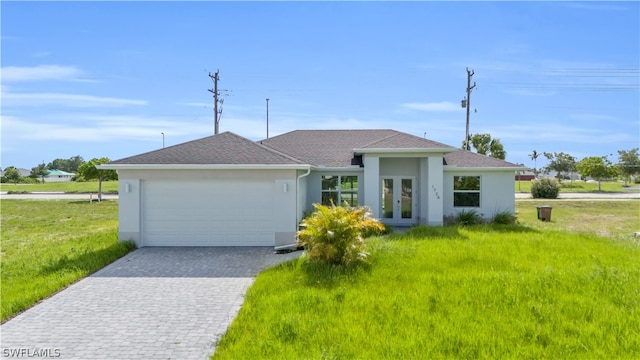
x: 398, y: 200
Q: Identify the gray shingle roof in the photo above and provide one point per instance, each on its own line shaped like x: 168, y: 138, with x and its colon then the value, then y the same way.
x: 329, y: 148
x: 463, y: 158
x: 225, y: 148
x: 335, y: 148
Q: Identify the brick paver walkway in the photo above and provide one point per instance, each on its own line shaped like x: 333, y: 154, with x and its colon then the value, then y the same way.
x: 155, y: 303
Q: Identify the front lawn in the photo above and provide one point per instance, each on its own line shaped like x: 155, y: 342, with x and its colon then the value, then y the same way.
x: 49, y: 244
x: 534, y: 291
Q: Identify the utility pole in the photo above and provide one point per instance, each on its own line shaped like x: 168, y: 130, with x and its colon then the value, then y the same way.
x: 216, y: 119
x: 267, y: 118
x: 466, y: 102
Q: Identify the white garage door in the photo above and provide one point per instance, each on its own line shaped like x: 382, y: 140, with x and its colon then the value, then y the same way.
x: 207, y: 213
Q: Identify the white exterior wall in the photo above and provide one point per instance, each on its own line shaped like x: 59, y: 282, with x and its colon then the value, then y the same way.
x: 435, y: 191
x: 283, y: 183
x: 371, y: 184
x: 496, y: 192
x: 57, y: 178
x: 129, y: 195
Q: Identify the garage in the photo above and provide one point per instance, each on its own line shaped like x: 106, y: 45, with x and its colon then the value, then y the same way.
x: 221, y: 190
x: 207, y: 213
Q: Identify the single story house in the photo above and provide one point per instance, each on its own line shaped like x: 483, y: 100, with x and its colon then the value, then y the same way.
x: 525, y: 176
x: 21, y: 171
x: 55, y: 175
x: 226, y: 190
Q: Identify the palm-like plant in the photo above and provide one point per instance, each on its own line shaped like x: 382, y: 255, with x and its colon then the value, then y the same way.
x: 534, y: 156
x: 335, y: 234
x: 485, y: 145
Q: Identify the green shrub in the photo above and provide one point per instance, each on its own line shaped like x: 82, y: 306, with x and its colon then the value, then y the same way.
x: 335, y: 234
x: 545, y: 189
x: 504, y: 218
x: 466, y: 218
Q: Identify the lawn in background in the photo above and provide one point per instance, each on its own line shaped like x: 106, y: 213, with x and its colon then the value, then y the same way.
x: 71, y: 187
x: 615, y: 219
x: 534, y: 290
x: 49, y: 244
x: 569, y: 186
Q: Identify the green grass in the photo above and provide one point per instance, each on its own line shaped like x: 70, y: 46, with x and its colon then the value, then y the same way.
x: 49, y: 244
x: 577, y: 186
x: 67, y: 187
x: 612, y: 219
x: 527, y: 291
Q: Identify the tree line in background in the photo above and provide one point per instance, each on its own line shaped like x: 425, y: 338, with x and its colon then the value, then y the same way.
x: 83, y: 170
x: 598, y: 168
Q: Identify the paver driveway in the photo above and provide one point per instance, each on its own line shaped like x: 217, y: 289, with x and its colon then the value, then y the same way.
x: 154, y: 303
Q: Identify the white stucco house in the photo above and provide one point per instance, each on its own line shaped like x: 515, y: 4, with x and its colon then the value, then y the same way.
x: 226, y: 190
x: 56, y: 175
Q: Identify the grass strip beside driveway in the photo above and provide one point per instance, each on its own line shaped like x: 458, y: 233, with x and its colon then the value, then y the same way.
x: 49, y: 244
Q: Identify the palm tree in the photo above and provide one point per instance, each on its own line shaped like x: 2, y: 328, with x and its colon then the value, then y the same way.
x: 485, y: 145
x: 534, y: 156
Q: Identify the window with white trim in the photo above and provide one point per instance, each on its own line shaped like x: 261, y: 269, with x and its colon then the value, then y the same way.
x: 340, y: 188
x: 466, y: 191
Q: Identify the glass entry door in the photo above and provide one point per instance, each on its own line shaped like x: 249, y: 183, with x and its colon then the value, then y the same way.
x: 397, y: 200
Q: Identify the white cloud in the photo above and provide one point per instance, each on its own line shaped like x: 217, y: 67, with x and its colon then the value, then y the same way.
x: 69, y: 100
x: 40, y: 73
x: 98, y: 128
x: 433, y: 106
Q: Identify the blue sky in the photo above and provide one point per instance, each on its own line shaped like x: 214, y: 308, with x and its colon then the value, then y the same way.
x: 106, y: 79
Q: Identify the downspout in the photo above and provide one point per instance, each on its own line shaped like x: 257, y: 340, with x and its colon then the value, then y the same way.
x: 297, y: 191
x: 293, y: 246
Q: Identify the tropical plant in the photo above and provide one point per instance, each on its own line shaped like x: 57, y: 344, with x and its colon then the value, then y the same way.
x: 596, y: 167
x: 467, y: 218
x: 334, y: 234
x: 504, y: 218
x: 485, y: 145
x: 89, y: 171
x: 545, y: 189
x: 628, y: 164
x: 534, y: 156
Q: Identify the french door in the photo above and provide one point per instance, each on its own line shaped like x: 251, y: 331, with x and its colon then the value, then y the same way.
x: 397, y: 200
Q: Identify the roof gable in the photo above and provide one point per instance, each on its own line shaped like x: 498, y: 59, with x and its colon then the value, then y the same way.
x: 226, y: 148
x: 400, y: 140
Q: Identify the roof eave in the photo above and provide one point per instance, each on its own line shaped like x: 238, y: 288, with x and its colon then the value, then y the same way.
x: 203, y: 167
x: 404, y: 150
x: 480, y: 168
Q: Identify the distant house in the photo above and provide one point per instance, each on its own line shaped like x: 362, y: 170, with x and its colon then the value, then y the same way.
x: 525, y: 176
x: 21, y: 171
x: 226, y: 190
x: 58, y: 176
